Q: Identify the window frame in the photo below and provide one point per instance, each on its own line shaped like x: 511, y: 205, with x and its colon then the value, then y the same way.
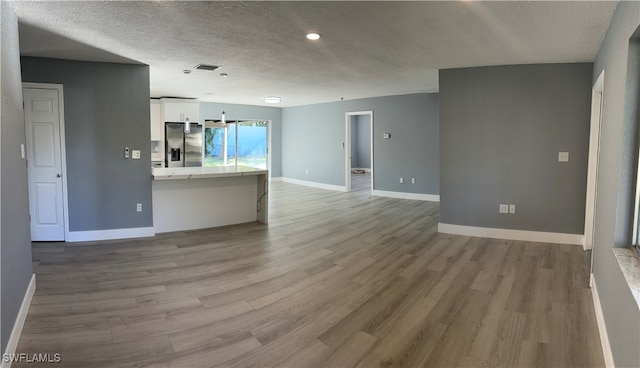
x: 635, y: 244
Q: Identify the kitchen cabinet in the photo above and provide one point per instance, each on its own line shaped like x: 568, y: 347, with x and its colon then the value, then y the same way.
x: 157, y: 133
x: 179, y: 110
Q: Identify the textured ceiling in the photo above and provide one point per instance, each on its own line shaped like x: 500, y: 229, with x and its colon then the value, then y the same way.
x: 367, y: 48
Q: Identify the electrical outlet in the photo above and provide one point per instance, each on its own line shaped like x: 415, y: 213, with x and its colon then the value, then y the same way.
x: 135, y: 154
x: 413, y: 180
x: 401, y: 180
x: 512, y: 208
x: 504, y: 208
x: 139, y: 207
x: 306, y: 171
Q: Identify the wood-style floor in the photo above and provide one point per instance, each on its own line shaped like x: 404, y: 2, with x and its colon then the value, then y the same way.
x: 335, y: 280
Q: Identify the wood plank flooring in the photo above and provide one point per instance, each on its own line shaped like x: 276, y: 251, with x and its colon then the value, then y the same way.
x: 335, y: 280
x: 361, y: 182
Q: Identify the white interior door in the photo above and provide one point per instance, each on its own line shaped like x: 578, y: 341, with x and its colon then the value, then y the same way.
x: 44, y: 160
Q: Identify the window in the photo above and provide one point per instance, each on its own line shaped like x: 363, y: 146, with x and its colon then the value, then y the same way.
x: 636, y: 217
x: 236, y: 143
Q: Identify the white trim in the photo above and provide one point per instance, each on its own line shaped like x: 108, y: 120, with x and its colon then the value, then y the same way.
x: 366, y: 169
x: 312, y: 184
x: 269, y: 133
x: 63, y: 147
x: 371, y: 148
x: 602, y: 328
x: 277, y: 178
x: 14, y: 338
x: 523, y: 235
x: 139, y: 232
x: 404, y: 195
x: 347, y: 151
x: 597, y: 98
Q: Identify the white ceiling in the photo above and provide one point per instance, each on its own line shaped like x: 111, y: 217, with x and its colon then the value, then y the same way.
x: 367, y: 48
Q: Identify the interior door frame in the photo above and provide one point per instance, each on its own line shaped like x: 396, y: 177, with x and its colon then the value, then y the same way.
x: 597, y: 94
x: 347, y: 145
x: 63, y: 146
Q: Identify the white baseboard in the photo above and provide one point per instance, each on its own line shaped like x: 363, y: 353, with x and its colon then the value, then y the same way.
x: 138, y: 232
x: 404, y: 195
x: 602, y: 328
x: 14, y: 338
x: 314, y: 184
x: 523, y: 235
x: 277, y: 178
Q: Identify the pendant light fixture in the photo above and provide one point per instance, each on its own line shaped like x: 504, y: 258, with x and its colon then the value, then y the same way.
x: 187, y: 126
x: 223, y: 118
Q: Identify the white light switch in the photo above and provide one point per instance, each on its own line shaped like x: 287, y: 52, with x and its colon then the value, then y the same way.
x: 135, y: 154
x: 22, y: 150
x: 563, y: 156
x: 504, y: 208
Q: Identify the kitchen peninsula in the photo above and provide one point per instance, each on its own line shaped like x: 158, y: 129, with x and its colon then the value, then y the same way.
x: 189, y: 198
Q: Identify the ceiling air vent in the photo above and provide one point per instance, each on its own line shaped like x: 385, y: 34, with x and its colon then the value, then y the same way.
x: 206, y: 67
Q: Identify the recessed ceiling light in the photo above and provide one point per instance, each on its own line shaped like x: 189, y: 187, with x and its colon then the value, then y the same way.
x: 186, y: 71
x: 272, y: 99
x: 313, y: 36
x: 224, y: 75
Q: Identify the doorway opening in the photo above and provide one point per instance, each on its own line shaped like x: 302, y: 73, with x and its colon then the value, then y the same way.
x: 359, y: 151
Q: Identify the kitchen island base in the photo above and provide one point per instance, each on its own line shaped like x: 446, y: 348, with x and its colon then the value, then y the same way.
x: 190, y: 202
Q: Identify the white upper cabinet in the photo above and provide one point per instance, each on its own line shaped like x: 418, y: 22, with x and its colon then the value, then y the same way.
x: 179, y: 110
x: 157, y: 133
x: 191, y: 110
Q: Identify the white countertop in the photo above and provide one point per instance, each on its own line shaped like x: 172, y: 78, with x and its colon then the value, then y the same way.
x: 174, y: 173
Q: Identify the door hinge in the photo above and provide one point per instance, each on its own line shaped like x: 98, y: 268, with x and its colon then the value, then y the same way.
x: 29, y: 217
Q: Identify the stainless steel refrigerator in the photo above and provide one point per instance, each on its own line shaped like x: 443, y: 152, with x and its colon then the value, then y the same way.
x: 183, y: 149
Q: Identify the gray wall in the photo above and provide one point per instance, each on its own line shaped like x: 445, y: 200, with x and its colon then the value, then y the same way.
x: 15, y: 248
x: 615, y: 199
x: 363, y: 141
x: 212, y: 110
x: 501, y: 131
x: 106, y: 109
x: 312, y: 138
